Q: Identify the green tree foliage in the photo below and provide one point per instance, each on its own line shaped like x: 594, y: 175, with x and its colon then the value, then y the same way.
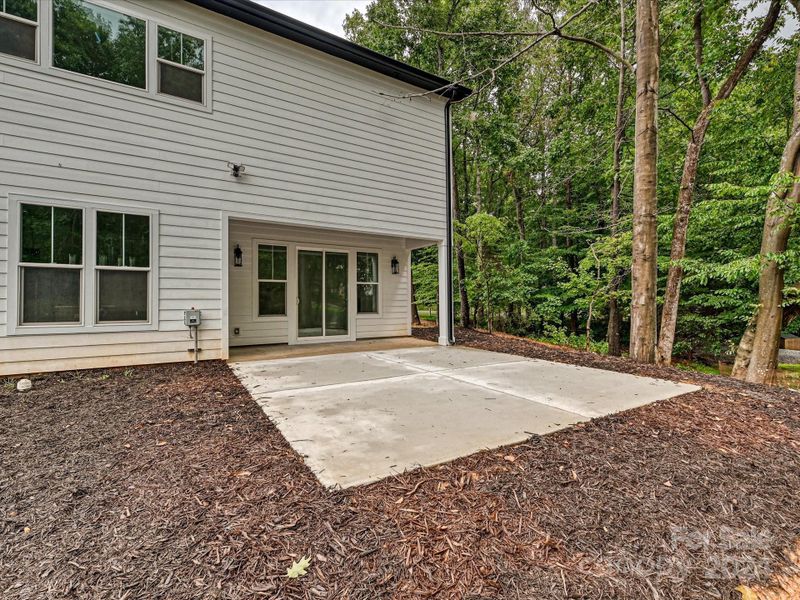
x: 533, y: 160
x: 425, y: 269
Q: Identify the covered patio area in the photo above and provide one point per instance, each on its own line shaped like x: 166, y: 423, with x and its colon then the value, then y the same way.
x: 360, y: 416
x: 278, y: 351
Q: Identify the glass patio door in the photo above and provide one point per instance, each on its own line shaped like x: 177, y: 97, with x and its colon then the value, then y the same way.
x: 322, y: 294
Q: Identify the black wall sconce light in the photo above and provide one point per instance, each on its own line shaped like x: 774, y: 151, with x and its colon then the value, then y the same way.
x: 237, y: 256
x: 237, y: 170
x: 395, y: 266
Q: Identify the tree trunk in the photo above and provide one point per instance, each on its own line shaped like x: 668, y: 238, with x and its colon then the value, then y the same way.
x: 588, y: 334
x: 764, y: 354
x: 489, y: 311
x: 520, y: 213
x: 460, y: 263
x: 645, y: 179
x: 572, y: 260
x: 691, y: 162
x: 742, y: 359
x: 482, y: 299
x: 462, y: 285
x: 614, y: 326
x: 669, y: 313
x: 781, y: 207
x: 414, y: 309
x: 477, y: 191
x: 614, y: 318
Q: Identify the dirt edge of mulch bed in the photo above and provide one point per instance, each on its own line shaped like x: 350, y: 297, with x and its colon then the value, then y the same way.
x: 169, y: 482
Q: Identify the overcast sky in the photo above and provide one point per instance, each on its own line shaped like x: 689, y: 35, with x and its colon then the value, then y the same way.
x: 325, y: 14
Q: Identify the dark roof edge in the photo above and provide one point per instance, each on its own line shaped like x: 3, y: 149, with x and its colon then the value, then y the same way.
x: 274, y: 22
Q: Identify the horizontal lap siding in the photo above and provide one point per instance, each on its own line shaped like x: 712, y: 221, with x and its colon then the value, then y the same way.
x: 395, y: 317
x: 189, y: 280
x: 274, y: 330
x: 321, y: 145
x: 3, y: 264
x: 325, y: 143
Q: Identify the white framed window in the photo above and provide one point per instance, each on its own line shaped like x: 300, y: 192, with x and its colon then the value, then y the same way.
x: 19, y: 28
x: 51, y: 254
x: 181, y: 64
x: 271, y: 281
x: 122, y: 267
x: 122, y: 49
x: 80, y: 267
x: 98, y: 41
x: 367, y: 283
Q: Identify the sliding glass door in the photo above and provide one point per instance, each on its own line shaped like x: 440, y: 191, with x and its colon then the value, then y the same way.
x: 335, y: 293
x: 309, y: 293
x: 322, y: 281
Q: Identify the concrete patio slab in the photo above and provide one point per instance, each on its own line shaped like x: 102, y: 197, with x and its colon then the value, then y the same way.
x: 315, y: 371
x: 357, y: 433
x: 278, y: 351
x: 589, y: 392
x: 362, y: 416
x: 441, y: 358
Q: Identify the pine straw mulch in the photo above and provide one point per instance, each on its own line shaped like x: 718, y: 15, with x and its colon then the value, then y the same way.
x: 169, y: 482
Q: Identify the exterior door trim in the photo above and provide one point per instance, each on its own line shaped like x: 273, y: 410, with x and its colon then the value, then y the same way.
x: 294, y: 290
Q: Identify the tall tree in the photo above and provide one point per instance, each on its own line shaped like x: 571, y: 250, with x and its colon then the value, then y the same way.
x: 461, y: 266
x: 758, y: 351
x: 614, y: 317
x: 669, y: 314
x: 414, y: 307
x: 644, y: 278
x: 545, y: 117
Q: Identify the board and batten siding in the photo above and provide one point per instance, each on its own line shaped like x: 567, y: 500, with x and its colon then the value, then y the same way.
x: 326, y: 144
x: 394, y: 318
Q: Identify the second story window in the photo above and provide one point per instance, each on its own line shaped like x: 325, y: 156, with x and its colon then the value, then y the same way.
x: 100, y: 42
x: 109, y: 45
x: 18, y: 24
x: 181, y: 64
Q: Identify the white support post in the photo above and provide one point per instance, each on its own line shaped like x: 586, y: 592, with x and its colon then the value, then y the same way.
x: 224, y: 353
x: 445, y: 309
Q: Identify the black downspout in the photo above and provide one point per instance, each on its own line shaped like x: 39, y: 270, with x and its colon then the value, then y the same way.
x: 451, y: 338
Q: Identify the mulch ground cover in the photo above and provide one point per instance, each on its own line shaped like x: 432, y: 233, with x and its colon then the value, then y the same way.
x: 169, y: 482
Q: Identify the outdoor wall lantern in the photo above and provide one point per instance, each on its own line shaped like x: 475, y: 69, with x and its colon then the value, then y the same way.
x: 237, y: 256
x: 395, y: 265
x: 237, y: 170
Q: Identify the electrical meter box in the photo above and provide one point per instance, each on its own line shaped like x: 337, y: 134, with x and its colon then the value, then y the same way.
x: 191, y: 318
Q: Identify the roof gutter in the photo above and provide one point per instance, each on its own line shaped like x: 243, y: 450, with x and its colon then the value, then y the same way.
x: 281, y: 25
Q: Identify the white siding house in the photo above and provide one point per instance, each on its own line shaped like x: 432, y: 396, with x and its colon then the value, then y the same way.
x: 118, y: 205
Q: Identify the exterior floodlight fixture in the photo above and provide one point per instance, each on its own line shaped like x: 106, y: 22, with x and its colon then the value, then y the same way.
x: 237, y: 170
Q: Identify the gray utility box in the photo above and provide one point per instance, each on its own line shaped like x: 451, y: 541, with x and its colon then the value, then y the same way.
x: 191, y: 318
